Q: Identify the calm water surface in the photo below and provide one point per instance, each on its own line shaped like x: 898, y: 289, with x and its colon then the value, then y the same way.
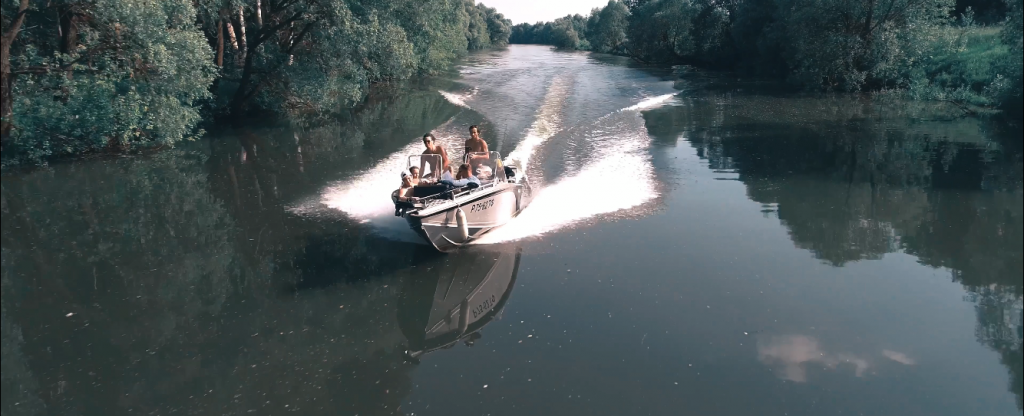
x: 700, y: 245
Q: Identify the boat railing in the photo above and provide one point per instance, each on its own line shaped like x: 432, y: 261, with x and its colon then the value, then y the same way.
x: 428, y: 164
x: 489, y: 160
x: 452, y: 195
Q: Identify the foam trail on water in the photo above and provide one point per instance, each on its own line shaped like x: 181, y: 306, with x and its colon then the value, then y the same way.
x: 457, y: 99
x: 650, y: 103
x: 623, y: 165
x: 586, y: 194
x: 548, y: 121
x: 368, y: 195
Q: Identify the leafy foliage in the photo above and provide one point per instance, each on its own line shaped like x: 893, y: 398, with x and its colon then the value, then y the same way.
x: 486, y: 27
x: 88, y: 75
x: 1012, y: 37
x: 606, y: 28
x: 129, y: 72
x: 925, y: 49
x: 567, y: 32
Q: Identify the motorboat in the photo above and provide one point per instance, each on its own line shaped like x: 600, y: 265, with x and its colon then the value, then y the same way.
x: 462, y: 295
x: 449, y: 216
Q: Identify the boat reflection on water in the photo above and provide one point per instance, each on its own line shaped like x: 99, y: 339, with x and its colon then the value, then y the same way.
x: 460, y: 296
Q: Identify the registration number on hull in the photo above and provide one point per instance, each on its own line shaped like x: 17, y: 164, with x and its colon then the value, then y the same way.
x: 480, y: 206
x: 484, y: 307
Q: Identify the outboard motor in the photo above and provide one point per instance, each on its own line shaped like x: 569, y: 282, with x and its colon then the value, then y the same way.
x: 509, y: 172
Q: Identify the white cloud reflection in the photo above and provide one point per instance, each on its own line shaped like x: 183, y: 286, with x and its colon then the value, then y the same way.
x: 790, y: 357
x: 898, y: 357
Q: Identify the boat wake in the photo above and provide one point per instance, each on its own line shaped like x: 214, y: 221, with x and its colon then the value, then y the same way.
x: 649, y: 103
x: 616, y: 175
x: 458, y: 99
x: 363, y: 197
x: 548, y: 122
x: 366, y: 197
x: 619, y: 176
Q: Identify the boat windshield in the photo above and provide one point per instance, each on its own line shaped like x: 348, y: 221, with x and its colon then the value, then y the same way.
x: 430, y: 165
x: 486, y: 165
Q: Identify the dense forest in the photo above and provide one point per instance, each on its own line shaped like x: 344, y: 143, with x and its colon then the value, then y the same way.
x: 966, y: 52
x: 86, y: 75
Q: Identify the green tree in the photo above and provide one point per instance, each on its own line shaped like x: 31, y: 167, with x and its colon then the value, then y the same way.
x: 564, y: 35
x: 567, y: 32
x: 606, y: 29
x: 83, y: 75
x: 116, y: 73
x: 835, y: 44
x: 477, y: 33
x: 13, y: 17
x: 1012, y: 36
x: 650, y: 32
x: 521, y: 34
x: 498, y: 27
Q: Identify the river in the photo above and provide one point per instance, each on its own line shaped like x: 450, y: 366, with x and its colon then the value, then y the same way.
x: 698, y: 245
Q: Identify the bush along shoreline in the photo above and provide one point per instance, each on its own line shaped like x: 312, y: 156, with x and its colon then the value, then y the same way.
x: 83, y: 76
x: 967, y: 52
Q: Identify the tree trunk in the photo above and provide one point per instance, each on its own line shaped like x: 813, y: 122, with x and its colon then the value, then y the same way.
x: 6, y: 96
x: 68, y: 40
x: 231, y: 34
x: 220, y: 43
x: 69, y: 32
x: 243, y: 93
x: 6, y: 77
x: 869, y: 22
x: 259, y: 14
x: 241, y: 35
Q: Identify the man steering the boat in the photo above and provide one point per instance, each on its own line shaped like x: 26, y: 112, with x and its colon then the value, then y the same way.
x: 475, y: 144
x: 476, y: 149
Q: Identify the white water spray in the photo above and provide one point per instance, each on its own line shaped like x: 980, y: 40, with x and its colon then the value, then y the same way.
x: 548, y: 122
x: 619, y: 177
x: 649, y: 103
x: 458, y: 99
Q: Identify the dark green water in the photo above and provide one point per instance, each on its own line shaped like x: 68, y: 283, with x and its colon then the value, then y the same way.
x: 699, y: 245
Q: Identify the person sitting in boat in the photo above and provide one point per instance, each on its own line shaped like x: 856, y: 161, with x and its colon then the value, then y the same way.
x: 463, y: 179
x: 447, y: 175
x: 405, y: 193
x: 433, y: 148
x: 418, y: 180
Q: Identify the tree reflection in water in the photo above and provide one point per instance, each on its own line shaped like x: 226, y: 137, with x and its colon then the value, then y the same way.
x: 855, y: 180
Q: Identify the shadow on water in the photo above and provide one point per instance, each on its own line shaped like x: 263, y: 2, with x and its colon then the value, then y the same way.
x: 853, y: 180
x: 328, y: 260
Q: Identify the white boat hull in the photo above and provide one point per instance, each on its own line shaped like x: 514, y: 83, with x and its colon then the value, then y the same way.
x: 484, y: 210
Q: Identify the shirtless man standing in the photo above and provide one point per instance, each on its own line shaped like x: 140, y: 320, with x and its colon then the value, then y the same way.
x: 433, y: 148
x: 475, y: 144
